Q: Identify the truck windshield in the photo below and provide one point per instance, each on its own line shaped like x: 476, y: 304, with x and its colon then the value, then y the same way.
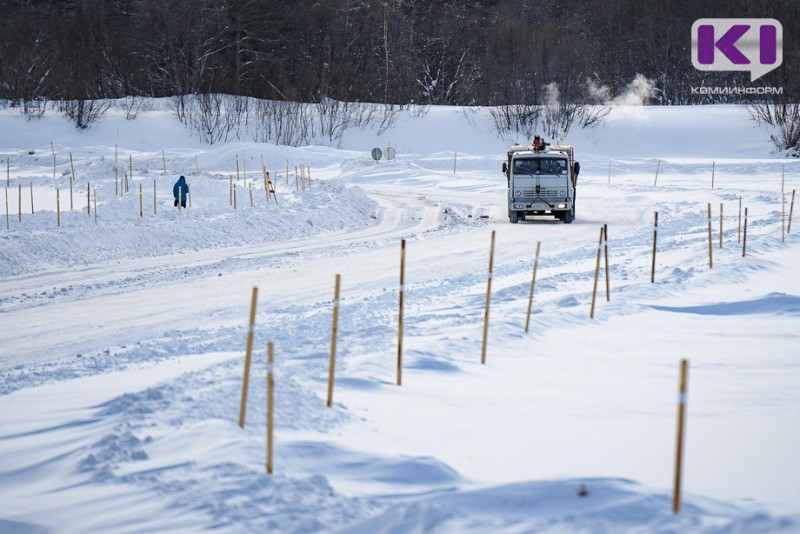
x: 540, y: 166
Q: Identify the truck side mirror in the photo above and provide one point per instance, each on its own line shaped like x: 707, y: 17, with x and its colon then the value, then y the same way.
x: 505, y: 168
x: 577, y: 168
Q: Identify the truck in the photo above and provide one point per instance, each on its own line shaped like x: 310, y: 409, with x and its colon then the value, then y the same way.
x: 541, y: 181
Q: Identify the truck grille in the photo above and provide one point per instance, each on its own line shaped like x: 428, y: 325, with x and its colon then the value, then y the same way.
x: 530, y: 193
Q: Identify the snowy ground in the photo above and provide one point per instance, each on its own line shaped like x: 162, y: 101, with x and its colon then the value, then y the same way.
x: 123, y: 339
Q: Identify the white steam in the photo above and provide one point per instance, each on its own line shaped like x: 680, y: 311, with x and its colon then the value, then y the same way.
x: 636, y: 93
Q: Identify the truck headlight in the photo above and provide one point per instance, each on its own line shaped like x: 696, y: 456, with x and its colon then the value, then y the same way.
x: 562, y: 206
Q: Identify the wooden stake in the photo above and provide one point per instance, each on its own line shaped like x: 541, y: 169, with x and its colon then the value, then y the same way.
x: 8, y: 226
x: 713, y: 168
x: 32, y: 198
x: 71, y: 179
x: 744, y: 238
x: 400, y: 315
x: 266, y: 186
x: 141, y: 202
x: 710, y: 258
x: 791, y: 209
x: 739, y: 231
x: 455, y: 158
x: 676, y: 495
x: 19, y: 201
x: 230, y: 189
x: 116, y: 182
x: 234, y: 196
x: 488, y: 300
x: 270, y: 403
x: 655, y: 235
x: 533, y: 284
x: 605, y: 249
x: 334, y: 332
x: 248, y: 355
x: 657, y: 169
x: 783, y: 205
x: 597, y: 271
x: 250, y: 187
x: 88, y: 209
x: 58, y: 208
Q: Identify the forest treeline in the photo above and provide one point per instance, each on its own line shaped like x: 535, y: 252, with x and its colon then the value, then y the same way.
x: 460, y: 52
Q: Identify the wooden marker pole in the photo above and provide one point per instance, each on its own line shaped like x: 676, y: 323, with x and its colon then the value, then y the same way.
x: 400, y: 315
x: 141, y: 202
x: 488, y: 300
x: 58, y: 208
x: 605, y: 253
x: 234, y: 196
x: 676, y: 494
x: 116, y: 182
x: 71, y: 179
x: 655, y: 235
x: 250, y: 187
x: 266, y: 186
x: 334, y: 332
x: 88, y: 208
x: 248, y: 355
x: 8, y: 225
x: 710, y: 258
x: 32, y: 198
x: 657, y: 169
x: 744, y: 238
x: 713, y: 165
x: 783, y: 205
x: 455, y: 158
x: 230, y: 189
x: 597, y: 271
x: 270, y: 403
x: 533, y: 284
x: 791, y: 209
x: 19, y: 201
x: 739, y: 231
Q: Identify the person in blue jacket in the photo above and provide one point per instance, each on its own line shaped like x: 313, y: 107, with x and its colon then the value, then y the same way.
x: 180, y: 191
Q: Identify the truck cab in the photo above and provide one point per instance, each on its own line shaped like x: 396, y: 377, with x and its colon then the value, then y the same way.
x: 541, y: 182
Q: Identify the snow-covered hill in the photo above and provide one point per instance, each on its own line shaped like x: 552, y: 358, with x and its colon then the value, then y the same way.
x: 123, y: 338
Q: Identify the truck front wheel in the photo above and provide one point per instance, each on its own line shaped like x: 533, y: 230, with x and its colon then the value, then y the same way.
x: 513, y: 217
x: 568, y: 216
